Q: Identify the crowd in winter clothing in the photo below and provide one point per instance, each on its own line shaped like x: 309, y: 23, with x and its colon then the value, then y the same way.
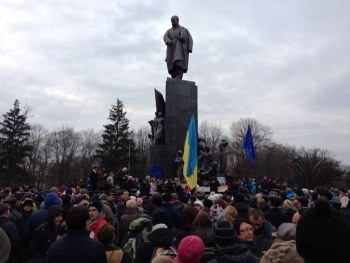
x: 154, y: 220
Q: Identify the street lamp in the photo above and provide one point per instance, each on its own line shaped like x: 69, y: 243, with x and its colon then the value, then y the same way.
x: 130, y: 137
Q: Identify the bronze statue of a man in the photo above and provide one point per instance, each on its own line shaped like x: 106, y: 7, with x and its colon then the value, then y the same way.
x: 179, y: 44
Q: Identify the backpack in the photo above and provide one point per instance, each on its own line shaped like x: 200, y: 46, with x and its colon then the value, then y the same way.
x: 135, y: 227
x: 169, y: 252
x: 129, y: 249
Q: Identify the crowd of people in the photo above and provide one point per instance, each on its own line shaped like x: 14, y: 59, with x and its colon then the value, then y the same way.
x: 160, y: 220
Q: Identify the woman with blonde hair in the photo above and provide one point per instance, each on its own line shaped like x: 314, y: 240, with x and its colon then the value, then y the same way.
x: 230, y: 213
x: 289, y: 208
x: 260, y: 201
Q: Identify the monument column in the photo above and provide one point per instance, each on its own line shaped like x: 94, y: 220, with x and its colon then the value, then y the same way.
x: 181, y: 103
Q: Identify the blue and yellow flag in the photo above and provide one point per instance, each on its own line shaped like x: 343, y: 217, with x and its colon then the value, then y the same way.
x: 248, y: 144
x: 190, y: 154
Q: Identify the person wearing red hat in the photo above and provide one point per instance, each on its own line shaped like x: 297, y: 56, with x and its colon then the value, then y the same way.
x: 191, y: 249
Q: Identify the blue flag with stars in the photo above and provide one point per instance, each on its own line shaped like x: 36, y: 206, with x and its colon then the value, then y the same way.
x: 248, y: 144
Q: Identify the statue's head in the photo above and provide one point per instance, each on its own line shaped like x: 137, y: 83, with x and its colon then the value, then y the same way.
x: 175, y: 20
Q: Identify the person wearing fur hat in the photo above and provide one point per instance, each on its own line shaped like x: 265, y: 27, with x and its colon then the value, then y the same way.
x: 283, y: 249
x: 322, y: 234
x: 191, y: 249
x: 228, y: 250
x: 97, y: 219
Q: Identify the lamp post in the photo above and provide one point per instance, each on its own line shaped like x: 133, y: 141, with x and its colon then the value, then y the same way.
x: 130, y: 136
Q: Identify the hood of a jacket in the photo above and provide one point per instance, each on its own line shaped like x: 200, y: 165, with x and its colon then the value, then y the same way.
x: 54, y: 211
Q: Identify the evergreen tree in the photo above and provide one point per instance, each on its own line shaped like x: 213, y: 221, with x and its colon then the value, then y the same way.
x: 114, y: 149
x: 14, y: 146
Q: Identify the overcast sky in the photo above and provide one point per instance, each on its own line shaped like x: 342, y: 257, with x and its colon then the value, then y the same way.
x: 284, y: 63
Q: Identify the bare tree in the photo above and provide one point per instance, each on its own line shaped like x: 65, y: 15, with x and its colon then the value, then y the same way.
x: 142, y: 148
x: 64, y: 144
x: 314, y: 167
x: 89, y: 141
x: 37, y: 141
x: 212, y: 134
x: 262, y: 139
x: 274, y: 162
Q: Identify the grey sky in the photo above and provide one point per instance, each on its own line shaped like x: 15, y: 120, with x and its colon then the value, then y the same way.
x: 284, y: 63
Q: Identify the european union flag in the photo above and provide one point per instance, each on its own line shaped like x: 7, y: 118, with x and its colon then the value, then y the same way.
x: 157, y: 171
x: 190, y: 154
x: 248, y: 144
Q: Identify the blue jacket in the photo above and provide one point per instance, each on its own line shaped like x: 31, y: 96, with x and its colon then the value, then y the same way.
x: 36, y: 219
x: 174, y: 214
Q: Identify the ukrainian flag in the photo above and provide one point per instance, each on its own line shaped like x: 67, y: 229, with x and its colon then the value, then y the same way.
x: 190, y: 154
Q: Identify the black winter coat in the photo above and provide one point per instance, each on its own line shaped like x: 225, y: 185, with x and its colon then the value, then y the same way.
x: 77, y: 246
x: 45, y: 234
x: 236, y: 253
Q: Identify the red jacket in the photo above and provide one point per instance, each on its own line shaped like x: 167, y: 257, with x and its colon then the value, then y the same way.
x: 95, y: 225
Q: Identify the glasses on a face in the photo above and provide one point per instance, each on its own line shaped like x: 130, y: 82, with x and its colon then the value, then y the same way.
x: 246, y: 229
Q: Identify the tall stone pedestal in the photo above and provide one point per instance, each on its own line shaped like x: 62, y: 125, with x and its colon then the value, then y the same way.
x: 180, y: 103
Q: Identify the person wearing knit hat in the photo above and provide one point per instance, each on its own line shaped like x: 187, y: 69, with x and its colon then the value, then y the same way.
x: 228, y: 250
x: 322, y: 234
x: 97, y: 219
x: 190, y: 249
x: 51, y: 199
x: 198, y: 205
x: 26, y: 209
x: 15, y: 216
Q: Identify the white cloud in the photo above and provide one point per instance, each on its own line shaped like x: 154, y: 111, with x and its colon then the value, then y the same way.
x: 285, y: 64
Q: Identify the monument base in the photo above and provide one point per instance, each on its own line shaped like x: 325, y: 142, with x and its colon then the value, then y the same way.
x: 180, y: 104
